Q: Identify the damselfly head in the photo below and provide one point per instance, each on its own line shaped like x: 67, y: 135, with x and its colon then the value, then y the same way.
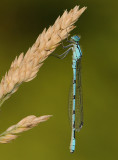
x: 75, y: 38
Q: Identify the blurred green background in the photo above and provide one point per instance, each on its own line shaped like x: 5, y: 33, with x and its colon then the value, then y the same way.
x: 21, y: 21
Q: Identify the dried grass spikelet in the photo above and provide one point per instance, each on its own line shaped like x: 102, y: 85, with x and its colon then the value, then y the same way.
x: 24, y: 125
x: 25, y: 67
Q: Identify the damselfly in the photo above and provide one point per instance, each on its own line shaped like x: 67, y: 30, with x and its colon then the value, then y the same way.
x: 75, y: 98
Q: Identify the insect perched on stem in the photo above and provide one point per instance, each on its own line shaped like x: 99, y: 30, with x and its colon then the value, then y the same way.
x: 75, y: 97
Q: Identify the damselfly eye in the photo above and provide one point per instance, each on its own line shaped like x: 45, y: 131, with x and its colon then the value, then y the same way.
x: 75, y: 38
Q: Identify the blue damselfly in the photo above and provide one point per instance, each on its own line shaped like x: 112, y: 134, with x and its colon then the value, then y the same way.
x: 75, y: 97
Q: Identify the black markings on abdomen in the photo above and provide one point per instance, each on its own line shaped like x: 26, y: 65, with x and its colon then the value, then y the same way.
x: 74, y: 133
x: 73, y: 111
x: 74, y: 82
